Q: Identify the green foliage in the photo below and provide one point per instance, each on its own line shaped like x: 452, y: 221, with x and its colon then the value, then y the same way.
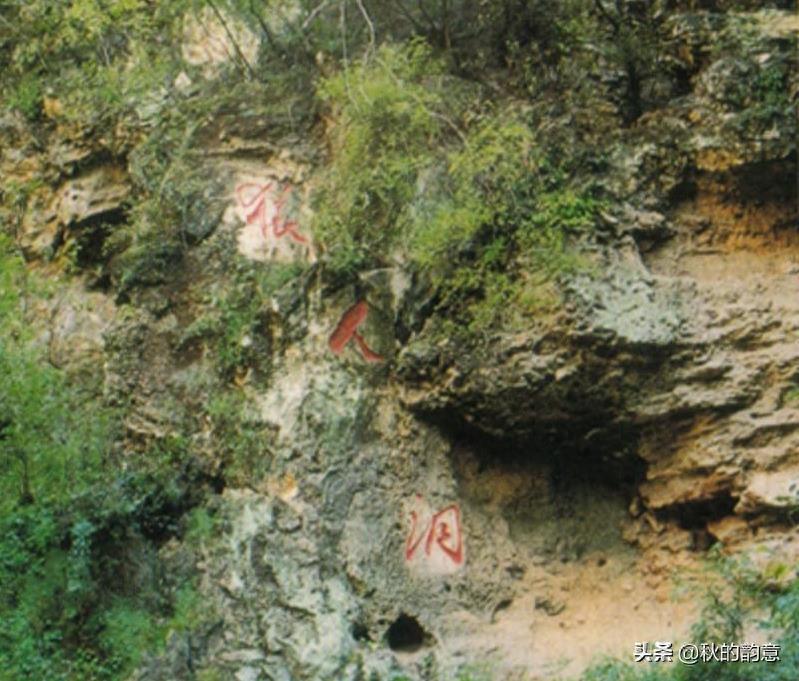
x: 70, y: 519
x: 767, y: 99
x: 200, y: 526
x: 387, y: 130
x: 491, y: 178
x: 66, y: 612
x: 790, y: 396
x: 26, y: 97
x: 756, y: 90
x: 48, y: 447
x: 67, y: 46
x: 235, y: 328
x: 242, y: 442
x: 422, y: 171
x: 13, y: 284
x: 740, y: 593
x: 127, y: 631
x: 632, y: 42
x: 189, y: 610
x: 475, y: 672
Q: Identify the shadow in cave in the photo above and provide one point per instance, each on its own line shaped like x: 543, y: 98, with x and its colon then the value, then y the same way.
x: 589, y: 451
x: 564, y: 490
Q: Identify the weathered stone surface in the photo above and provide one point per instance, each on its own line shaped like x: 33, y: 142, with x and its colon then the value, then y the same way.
x: 74, y: 323
x: 680, y: 346
x: 438, y: 505
x: 212, y: 39
x: 96, y: 195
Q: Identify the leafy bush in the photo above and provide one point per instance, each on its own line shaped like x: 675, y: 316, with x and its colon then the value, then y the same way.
x: 423, y: 170
x: 243, y: 449
x: 235, y: 327
x: 48, y: 448
x: 740, y: 593
x: 71, y: 520
x: 26, y: 97
x: 387, y: 130
x: 127, y: 631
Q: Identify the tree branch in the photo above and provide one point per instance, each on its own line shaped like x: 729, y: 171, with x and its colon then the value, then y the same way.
x: 314, y: 14
x: 607, y: 15
x: 230, y: 35
x: 369, y: 23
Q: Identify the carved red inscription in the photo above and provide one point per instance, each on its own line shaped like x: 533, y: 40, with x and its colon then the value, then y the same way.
x: 442, y: 533
x: 253, y: 198
x: 346, y: 330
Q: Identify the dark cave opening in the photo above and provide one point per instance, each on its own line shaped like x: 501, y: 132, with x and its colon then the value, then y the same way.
x: 764, y: 181
x: 564, y: 489
x: 406, y: 635
x: 695, y: 515
x: 584, y: 453
x: 90, y: 238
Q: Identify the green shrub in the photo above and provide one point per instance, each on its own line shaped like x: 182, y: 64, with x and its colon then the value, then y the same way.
x: 386, y: 131
x: 739, y: 593
x: 423, y: 170
x: 70, y: 519
x: 49, y: 449
x: 242, y: 443
x: 26, y: 97
x: 127, y: 631
x: 200, y: 526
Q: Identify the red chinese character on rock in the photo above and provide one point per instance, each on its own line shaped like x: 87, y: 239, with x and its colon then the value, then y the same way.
x: 253, y: 200
x: 346, y: 330
x: 441, y: 536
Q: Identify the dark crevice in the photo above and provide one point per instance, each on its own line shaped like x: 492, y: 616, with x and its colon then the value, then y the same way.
x: 576, y: 452
x: 99, y: 158
x: 695, y: 515
x: 360, y: 632
x: 686, y: 190
x: 765, y: 181
x: 406, y: 635
x: 91, y: 234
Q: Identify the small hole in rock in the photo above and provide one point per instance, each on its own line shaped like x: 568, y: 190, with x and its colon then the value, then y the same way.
x: 360, y: 632
x: 406, y: 635
x: 502, y: 605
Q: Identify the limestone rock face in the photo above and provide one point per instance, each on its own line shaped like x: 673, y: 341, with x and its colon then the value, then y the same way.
x: 415, y: 506
x: 681, y: 351
x: 96, y: 195
x: 213, y: 38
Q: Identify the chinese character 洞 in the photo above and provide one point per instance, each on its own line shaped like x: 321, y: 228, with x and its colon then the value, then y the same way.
x: 442, y: 533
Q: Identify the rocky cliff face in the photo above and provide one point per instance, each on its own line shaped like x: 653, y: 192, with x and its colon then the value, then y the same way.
x: 421, y: 507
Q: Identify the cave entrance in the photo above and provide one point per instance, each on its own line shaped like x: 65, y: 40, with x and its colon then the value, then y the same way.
x: 406, y: 635
x: 564, y: 492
